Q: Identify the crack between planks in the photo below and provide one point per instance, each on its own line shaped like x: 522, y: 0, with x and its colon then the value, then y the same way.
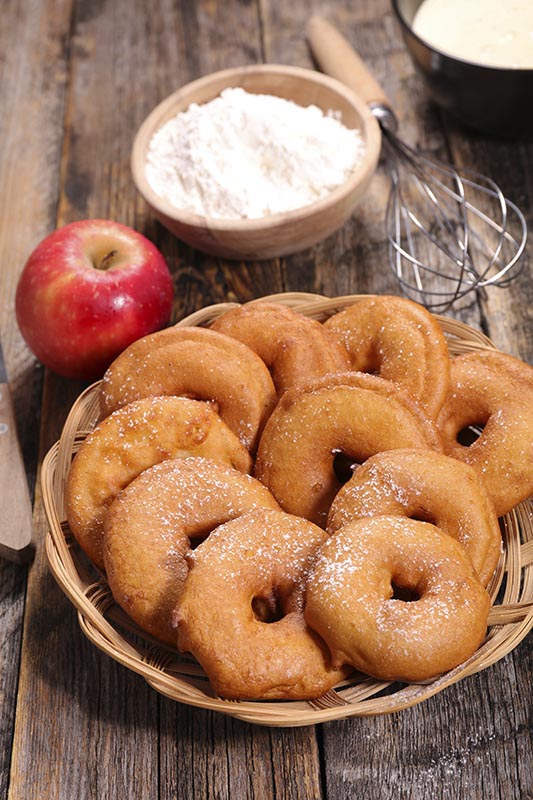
x: 321, y: 760
x: 262, y: 29
x: 65, y: 93
x: 67, y: 100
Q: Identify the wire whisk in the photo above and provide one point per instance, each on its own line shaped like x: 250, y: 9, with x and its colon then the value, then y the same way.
x: 450, y: 232
x: 454, y: 225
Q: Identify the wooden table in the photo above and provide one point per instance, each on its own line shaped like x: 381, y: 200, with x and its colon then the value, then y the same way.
x: 78, y: 77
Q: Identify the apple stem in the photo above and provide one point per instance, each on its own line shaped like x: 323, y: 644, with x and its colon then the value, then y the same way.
x: 104, y: 263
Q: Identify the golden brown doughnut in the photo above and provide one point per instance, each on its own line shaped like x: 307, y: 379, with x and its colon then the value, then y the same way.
x: 197, y: 363
x: 399, y: 340
x: 428, y: 486
x: 354, y: 415
x: 150, y: 525
x: 130, y: 440
x: 294, y: 347
x: 494, y: 391
x: 241, y: 610
x: 397, y: 599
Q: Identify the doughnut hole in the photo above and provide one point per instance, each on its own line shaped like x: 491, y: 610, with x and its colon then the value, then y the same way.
x: 468, y: 435
x: 404, y: 591
x: 422, y: 515
x: 270, y: 607
x: 405, y: 594
x: 343, y: 466
x: 196, y: 539
x: 467, y: 425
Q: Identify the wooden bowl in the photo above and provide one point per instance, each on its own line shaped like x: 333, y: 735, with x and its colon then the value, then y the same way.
x: 276, y: 234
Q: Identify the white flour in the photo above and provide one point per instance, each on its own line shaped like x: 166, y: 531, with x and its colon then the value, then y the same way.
x: 247, y: 156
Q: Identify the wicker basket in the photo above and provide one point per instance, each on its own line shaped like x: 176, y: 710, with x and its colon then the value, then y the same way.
x: 180, y: 677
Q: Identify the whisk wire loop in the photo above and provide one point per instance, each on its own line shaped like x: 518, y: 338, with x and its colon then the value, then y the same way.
x: 440, y: 228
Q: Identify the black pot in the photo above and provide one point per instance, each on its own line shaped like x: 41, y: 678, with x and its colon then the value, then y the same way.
x: 493, y: 100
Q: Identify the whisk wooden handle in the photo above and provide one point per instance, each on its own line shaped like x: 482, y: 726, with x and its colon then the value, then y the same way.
x: 337, y: 58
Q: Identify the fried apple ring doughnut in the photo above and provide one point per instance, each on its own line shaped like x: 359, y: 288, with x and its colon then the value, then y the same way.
x: 294, y: 347
x: 130, y: 440
x: 494, y: 391
x: 355, y: 415
x: 197, y: 363
x: 241, y: 610
x: 150, y: 525
x: 428, y: 486
x: 399, y: 340
x: 397, y: 599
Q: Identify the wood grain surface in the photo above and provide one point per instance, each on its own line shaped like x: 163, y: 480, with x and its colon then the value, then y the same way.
x: 78, y: 77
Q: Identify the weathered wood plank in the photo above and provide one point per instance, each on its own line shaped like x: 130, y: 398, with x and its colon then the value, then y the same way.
x: 473, y: 740
x: 508, y: 311
x: 116, y: 75
x: 456, y: 744
x: 32, y: 99
x: 217, y: 756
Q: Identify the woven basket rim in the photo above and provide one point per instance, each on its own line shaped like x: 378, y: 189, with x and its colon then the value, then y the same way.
x: 178, y: 676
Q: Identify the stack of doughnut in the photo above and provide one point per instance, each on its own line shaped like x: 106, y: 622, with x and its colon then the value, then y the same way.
x: 289, y: 500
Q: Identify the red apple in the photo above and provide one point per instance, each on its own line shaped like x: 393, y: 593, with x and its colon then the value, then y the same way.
x: 87, y: 291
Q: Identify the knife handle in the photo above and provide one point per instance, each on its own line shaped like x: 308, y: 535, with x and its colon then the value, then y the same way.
x: 16, y: 524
